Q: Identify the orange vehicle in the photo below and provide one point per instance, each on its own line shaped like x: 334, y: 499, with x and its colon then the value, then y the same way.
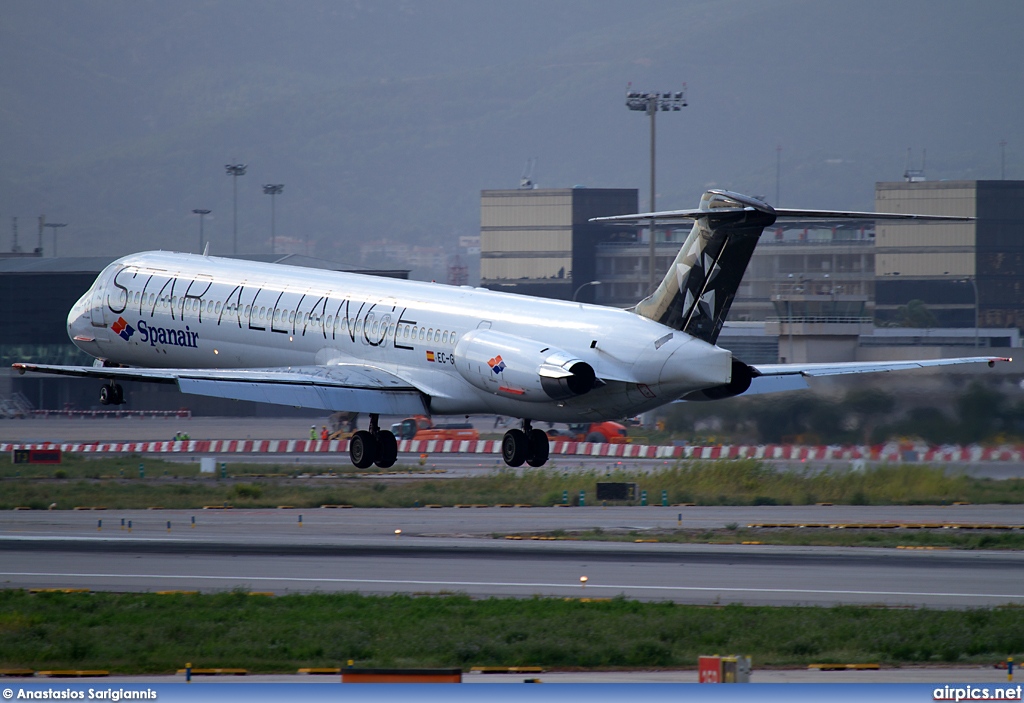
x: 422, y: 427
x: 596, y: 432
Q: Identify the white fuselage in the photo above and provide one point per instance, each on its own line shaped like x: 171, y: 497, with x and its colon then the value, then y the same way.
x: 168, y: 310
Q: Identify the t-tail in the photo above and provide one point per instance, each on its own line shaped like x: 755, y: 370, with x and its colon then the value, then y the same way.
x: 697, y: 292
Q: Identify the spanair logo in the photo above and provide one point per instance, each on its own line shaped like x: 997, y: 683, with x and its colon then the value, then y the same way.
x: 496, y: 364
x: 122, y: 328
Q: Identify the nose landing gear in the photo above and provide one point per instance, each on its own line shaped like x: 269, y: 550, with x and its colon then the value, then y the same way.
x: 373, y: 446
x: 112, y: 394
x: 527, y: 446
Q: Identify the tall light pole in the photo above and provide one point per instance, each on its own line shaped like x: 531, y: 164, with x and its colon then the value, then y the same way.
x: 55, y: 226
x: 272, y: 189
x: 588, y: 283
x: 651, y: 103
x: 778, y: 174
x: 235, y: 170
x: 202, y: 213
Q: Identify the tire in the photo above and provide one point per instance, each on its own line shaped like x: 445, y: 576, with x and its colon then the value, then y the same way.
x: 106, y: 395
x: 515, y: 447
x: 538, y: 448
x: 387, y: 449
x: 595, y: 438
x: 362, y: 449
x: 118, y: 394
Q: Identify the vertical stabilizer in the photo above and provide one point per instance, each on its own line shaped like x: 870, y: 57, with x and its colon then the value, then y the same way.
x: 698, y: 290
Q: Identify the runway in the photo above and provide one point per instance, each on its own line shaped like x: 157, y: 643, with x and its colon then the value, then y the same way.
x: 449, y: 550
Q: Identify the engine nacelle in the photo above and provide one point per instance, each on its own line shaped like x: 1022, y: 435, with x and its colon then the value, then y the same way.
x: 742, y: 375
x: 515, y: 367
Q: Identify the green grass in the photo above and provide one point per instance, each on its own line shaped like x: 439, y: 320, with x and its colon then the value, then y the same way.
x: 890, y: 538
x: 148, y: 633
x: 84, y: 466
x: 744, y: 482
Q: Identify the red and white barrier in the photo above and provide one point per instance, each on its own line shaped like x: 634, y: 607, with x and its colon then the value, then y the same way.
x: 770, y: 452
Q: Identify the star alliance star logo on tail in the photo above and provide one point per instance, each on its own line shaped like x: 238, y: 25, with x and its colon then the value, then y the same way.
x: 122, y: 328
x: 496, y: 364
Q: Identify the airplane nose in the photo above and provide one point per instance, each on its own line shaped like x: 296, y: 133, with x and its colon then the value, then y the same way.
x: 79, y: 329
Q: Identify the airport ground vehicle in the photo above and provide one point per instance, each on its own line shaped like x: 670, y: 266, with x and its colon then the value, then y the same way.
x: 608, y: 432
x: 422, y: 427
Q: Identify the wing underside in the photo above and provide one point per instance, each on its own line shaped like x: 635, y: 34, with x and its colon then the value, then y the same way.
x: 853, y: 367
x: 342, y: 387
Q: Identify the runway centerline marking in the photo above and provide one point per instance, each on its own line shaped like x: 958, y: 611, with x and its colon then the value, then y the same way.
x: 590, y: 585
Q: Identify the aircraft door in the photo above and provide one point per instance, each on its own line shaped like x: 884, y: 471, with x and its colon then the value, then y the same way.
x: 99, y: 309
x: 96, y: 306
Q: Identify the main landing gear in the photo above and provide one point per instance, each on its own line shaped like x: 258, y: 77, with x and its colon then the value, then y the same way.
x: 527, y: 445
x: 373, y: 446
x: 112, y: 394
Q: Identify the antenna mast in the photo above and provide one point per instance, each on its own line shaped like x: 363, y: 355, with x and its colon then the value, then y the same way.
x: 915, y: 175
x: 526, y: 181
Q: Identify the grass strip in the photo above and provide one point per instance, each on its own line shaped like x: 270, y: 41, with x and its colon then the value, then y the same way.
x: 149, y: 633
x: 743, y: 482
x: 127, y: 468
x: 803, y: 537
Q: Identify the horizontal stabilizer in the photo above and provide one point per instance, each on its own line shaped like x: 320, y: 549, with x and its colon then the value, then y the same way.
x: 735, y: 200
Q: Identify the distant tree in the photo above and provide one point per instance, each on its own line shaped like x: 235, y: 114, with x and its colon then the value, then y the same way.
x: 871, y: 406
x: 825, y: 420
x: 928, y: 423
x: 788, y: 415
x: 731, y: 414
x: 981, y: 411
x: 915, y: 314
x: 1013, y: 419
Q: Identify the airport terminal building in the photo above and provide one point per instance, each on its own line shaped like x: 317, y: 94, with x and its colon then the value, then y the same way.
x: 541, y: 242
x: 814, y: 291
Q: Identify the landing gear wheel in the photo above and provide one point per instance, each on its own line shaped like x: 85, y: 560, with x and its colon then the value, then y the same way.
x: 111, y: 394
x: 538, y: 448
x: 362, y: 449
x: 387, y: 449
x: 515, y: 447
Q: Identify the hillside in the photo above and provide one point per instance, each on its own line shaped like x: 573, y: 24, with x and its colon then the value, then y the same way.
x: 384, y: 120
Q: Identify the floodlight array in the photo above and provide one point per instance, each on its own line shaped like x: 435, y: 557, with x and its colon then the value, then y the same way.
x: 650, y: 102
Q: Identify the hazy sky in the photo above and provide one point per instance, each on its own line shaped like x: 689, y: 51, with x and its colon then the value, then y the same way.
x: 384, y: 119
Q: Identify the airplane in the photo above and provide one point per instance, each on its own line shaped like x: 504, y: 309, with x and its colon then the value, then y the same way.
x: 347, y: 342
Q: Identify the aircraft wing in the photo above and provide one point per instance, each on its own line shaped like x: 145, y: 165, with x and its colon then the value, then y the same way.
x: 352, y: 387
x: 851, y: 367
